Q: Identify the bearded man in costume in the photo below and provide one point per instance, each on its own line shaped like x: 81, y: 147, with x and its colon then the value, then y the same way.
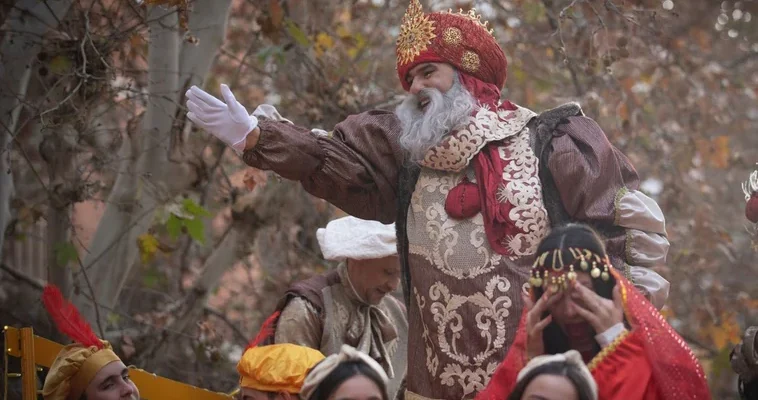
x: 472, y: 182
x: 353, y: 304
x: 87, y: 369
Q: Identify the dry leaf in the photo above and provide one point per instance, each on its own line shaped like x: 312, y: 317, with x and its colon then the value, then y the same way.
x: 249, y: 180
x: 148, y: 245
x: 276, y: 12
x: 714, y: 151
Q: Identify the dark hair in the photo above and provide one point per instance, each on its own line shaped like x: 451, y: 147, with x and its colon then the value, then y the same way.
x: 342, y: 373
x: 563, y: 238
x: 748, y: 390
x: 557, y: 368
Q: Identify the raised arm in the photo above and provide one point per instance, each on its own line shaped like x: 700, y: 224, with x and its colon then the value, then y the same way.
x: 354, y: 167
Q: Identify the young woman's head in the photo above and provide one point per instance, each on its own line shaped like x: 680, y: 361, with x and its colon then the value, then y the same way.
x: 577, y: 249
x: 347, y: 375
x: 353, y: 380
x: 556, y: 377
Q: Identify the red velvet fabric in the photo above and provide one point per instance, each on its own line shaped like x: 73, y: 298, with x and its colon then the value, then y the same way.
x: 751, y: 208
x: 463, y: 200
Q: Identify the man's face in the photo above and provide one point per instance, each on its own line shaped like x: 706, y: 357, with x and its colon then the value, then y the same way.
x: 430, y: 75
x: 374, y: 278
x: 437, y: 104
x: 252, y: 394
x: 112, y: 382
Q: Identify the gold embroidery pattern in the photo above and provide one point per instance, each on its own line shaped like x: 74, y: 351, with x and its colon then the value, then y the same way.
x: 457, y: 248
x: 452, y: 36
x: 607, y: 351
x: 416, y: 33
x: 432, y: 361
x: 468, y: 371
x: 523, y: 190
x: 457, y: 150
x: 470, y: 61
x: 475, y: 18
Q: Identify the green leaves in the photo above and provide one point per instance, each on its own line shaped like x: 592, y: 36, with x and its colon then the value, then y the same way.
x: 187, y: 217
x: 297, y: 34
x: 174, y: 226
x: 195, y: 229
x: 65, y: 253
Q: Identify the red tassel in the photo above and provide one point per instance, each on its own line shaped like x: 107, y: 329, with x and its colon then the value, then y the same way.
x: 67, y: 318
x: 267, y: 329
x: 751, y: 208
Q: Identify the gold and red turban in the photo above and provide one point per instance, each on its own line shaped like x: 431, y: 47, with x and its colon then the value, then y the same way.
x: 460, y: 39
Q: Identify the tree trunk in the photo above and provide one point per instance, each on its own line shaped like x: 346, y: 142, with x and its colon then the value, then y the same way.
x: 151, y: 179
x: 28, y: 21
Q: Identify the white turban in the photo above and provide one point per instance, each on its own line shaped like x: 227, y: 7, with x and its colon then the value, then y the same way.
x: 358, y: 239
x: 571, y: 357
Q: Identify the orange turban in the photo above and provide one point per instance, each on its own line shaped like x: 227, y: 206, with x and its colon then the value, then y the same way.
x: 277, y: 368
x: 460, y: 39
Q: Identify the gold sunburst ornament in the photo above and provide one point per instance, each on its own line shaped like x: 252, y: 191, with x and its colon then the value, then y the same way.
x: 475, y: 18
x: 416, y: 33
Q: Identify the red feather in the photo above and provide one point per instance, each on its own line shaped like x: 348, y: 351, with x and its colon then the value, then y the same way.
x: 67, y: 318
x: 267, y: 329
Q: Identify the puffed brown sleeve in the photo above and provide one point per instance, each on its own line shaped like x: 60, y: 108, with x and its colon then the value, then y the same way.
x: 599, y: 186
x: 354, y: 167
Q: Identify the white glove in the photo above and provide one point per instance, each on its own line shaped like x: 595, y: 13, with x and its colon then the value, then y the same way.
x: 229, y: 122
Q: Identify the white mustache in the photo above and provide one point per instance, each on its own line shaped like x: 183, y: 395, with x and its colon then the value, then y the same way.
x: 429, y: 115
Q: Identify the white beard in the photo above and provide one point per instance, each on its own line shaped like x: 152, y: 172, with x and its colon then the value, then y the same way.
x: 425, y: 128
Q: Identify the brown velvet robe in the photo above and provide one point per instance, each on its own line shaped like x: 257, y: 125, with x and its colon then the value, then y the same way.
x: 464, y: 299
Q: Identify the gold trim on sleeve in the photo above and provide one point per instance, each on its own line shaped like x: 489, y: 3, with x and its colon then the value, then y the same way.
x: 607, y: 351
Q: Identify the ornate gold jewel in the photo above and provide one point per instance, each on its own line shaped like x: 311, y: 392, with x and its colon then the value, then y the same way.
x: 452, y: 36
x: 571, y: 275
x: 470, y: 61
x: 566, y: 272
x: 595, y: 273
x: 474, y: 17
x: 416, y: 33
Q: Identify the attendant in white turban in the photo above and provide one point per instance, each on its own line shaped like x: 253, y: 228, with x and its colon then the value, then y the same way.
x: 352, y: 304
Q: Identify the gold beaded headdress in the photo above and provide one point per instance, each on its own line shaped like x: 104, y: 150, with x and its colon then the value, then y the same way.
x: 583, y: 260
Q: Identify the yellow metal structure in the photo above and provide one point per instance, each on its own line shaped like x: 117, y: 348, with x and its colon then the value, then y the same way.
x: 37, y: 351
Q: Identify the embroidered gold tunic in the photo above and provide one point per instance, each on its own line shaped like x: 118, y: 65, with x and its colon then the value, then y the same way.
x: 463, y: 298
